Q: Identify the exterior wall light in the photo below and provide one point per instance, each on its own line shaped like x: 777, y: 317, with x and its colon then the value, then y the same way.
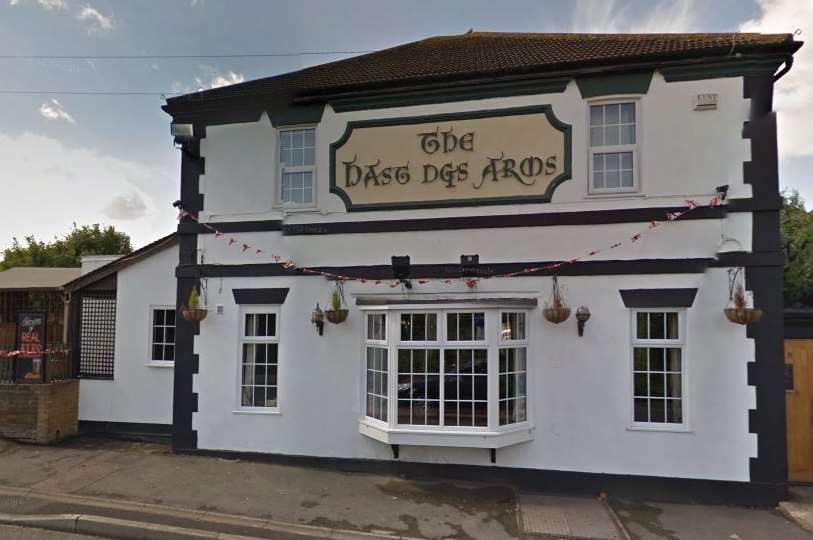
x: 318, y: 319
x: 582, y: 315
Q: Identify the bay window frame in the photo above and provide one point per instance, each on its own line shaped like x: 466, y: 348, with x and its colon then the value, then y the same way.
x: 492, y: 435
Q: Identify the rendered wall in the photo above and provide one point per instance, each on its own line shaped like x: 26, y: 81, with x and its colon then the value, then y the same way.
x: 139, y: 392
x: 580, y: 387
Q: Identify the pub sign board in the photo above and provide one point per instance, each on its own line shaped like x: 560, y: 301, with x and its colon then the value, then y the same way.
x: 30, y: 362
x: 504, y: 156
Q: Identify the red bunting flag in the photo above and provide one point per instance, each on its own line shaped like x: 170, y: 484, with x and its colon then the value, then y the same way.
x: 232, y: 241
x: 654, y: 223
x: 218, y: 234
x: 259, y: 252
x: 244, y: 247
x: 635, y: 237
x: 691, y: 203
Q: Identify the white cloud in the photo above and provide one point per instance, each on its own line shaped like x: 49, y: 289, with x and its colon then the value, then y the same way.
x: 53, y: 110
x: 216, y: 80
x: 95, y: 19
x: 793, y: 99
x: 45, y: 4
x: 126, y: 207
x: 54, y: 186
x: 609, y: 16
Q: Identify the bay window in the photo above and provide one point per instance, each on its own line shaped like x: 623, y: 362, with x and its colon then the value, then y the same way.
x: 458, y: 373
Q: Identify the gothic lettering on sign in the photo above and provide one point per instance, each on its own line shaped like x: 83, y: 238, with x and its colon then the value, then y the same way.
x: 518, y: 155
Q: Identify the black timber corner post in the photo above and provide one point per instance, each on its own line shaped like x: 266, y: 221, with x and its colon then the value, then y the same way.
x: 185, y: 401
x: 764, y: 277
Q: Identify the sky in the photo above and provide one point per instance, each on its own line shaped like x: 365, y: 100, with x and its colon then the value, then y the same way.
x: 109, y: 159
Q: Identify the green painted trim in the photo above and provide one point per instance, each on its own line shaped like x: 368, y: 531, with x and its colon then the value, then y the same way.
x: 622, y: 83
x: 546, y: 197
x: 450, y: 94
x: 291, y: 115
x: 716, y: 70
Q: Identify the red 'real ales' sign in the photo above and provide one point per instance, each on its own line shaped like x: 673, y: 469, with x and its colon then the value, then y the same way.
x: 30, y: 362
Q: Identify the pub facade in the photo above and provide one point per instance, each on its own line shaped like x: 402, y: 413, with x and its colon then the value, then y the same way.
x: 508, y: 255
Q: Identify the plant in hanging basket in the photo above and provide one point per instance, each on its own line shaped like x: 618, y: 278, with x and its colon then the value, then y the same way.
x: 193, y: 310
x: 556, y: 311
x: 336, y: 314
x: 738, y: 310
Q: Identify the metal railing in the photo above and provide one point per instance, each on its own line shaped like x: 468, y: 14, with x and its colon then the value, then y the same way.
x: 56, y: 364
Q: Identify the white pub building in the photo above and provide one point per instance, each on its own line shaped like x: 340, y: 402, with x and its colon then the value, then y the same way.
x: 521, y: 247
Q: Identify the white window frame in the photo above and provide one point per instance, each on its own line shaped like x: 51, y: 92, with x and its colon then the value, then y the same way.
x: 680, y: 343
x: 523, y: 343
x: 634, y: 148
x: 242, y: 339
x: 282, y: 169
x: 490, y: 436
x: 380, y: 344
x: 151, y: 314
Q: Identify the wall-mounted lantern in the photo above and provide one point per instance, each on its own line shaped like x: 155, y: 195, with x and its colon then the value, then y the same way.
x: 318, y: 319
x: 582, y: 315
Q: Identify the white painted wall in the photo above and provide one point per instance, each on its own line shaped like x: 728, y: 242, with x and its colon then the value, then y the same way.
x: 139, y: 392
x: 581, y: 387
x: 681, y: 154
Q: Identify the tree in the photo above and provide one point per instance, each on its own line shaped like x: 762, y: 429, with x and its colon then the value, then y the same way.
x: 797, y: 241
x: 67, y: 251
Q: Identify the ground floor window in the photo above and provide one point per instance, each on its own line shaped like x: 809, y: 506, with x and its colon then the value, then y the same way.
x: 658, y: 368
x: 259, y: 352
x: 451, y: 369
x: 163, y: 335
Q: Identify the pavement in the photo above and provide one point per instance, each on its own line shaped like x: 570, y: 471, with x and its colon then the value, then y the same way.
x: 121, y: 489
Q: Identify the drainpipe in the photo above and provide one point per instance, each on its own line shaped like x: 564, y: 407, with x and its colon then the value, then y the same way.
x: 788, y: 65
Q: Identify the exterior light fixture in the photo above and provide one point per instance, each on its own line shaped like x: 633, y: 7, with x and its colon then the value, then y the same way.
x: 582, y: 315
x: 318, y: 319
x: 401, y: 268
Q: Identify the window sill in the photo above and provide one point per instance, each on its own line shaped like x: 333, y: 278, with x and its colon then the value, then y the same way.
x: 270, y: 412
x: 615, y: 195
x: 160, y: 364
x: 460, y: 439
x: 664, y: 429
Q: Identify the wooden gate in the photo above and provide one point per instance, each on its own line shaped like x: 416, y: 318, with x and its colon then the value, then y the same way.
x: 799, y: 408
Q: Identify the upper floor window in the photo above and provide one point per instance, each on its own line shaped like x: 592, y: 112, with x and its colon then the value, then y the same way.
x: 613, y: 147
x: 297, y: 148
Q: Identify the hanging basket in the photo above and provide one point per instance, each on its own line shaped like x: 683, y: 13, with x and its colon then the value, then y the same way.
x: 556, y: 315
x: 743, y: 315
x: 336, y: 316
x: 194, y: 315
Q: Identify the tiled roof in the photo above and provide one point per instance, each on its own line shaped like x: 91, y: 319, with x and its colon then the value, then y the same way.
x: 122, y: 262
x: 36, y: 278
x: 476, y: 55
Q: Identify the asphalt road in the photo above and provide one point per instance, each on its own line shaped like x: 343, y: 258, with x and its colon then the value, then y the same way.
x: 8, y: 532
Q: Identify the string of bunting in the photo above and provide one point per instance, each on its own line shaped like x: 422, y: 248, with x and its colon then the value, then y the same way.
x: 12, y: 354
x: 470, y: 282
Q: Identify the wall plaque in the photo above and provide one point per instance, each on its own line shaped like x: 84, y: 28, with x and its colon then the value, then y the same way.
x: 504, y: 156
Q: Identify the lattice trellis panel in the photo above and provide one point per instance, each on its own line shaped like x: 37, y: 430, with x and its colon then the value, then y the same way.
x: 97, y: 336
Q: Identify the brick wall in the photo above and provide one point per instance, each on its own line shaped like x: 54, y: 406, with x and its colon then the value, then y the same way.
x: 40, y: 413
